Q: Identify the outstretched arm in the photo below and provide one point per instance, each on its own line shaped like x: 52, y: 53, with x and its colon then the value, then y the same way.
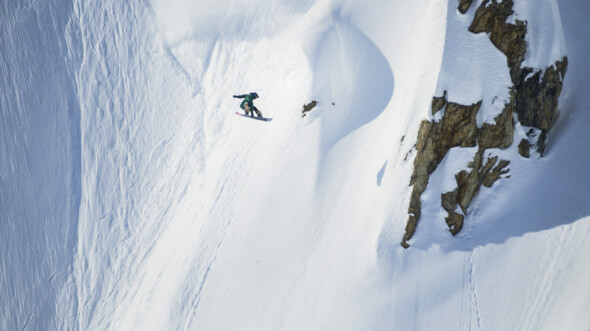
x: 242, y: 96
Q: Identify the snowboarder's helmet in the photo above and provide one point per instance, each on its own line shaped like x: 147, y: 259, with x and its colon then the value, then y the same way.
x: 254, y: 95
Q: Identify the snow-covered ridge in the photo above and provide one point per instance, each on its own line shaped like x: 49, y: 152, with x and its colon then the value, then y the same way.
x: 131, y: 196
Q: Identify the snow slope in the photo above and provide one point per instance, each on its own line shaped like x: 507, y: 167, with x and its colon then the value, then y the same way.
x: 132, y: 198
x: 39, y: 164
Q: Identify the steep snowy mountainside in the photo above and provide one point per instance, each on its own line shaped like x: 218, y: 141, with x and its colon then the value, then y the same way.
x: 489, y: 108
x: 39, y: 162
x: 510, y: 212
x: 131, y: 196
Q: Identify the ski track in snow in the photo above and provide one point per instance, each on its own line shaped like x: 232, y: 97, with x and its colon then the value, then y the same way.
x: 475, y: 318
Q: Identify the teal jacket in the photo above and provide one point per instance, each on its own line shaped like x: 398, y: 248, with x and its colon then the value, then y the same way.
x: 248, y: 100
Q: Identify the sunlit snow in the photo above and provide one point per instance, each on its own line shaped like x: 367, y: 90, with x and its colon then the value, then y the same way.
x: 132, y: 197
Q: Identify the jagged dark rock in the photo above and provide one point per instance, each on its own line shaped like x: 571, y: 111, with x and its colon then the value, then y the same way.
x: 490, y: 18
x: 458, y: 128
x: 524, y: 148
x: 438, y: 103
x: 410, y: 229
x: 449, y: 200
x: 454, y: 222
x: 469, y: 183
x: 307, y: 108
x: 499, y: 135
x: 490, y: 178
x: 533, y: 98
x: 536, y: 101
x: 537, y: 96
x: 464, y: 5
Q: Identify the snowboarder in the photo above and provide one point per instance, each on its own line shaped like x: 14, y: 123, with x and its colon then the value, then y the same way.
x: 248, y: 105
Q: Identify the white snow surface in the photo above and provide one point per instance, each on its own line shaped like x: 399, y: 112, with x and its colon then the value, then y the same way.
x: 132, y: 198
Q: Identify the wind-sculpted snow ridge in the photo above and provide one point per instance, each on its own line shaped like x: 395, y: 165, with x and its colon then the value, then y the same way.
x: 131, y: 196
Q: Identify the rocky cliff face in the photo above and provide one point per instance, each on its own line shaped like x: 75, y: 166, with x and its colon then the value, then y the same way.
x: 533, y: 98
x: 509, y: 38
x: 537, y: 100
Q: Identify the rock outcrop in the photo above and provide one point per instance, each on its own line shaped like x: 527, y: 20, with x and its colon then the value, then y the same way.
x: 537, y: 98
x: 490, y: 18
x: 458, y: 128
x: 533, y: 98
x: 464, y: 5
x: 307, y: 108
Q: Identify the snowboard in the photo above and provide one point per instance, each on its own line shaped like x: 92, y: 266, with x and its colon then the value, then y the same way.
x: 266, y: 119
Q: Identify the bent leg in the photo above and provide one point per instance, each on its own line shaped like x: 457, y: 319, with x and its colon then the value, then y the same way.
x: 257, y: 111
